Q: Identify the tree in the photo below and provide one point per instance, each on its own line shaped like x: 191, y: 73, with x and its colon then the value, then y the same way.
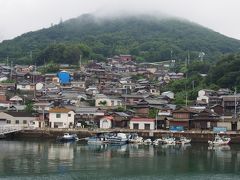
x: 29, y: 107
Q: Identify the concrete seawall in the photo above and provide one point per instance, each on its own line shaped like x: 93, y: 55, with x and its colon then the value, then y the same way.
x: 196, y: 136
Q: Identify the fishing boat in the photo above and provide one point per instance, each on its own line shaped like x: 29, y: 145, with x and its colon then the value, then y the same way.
x: 68, y: 137
x: 98, y: 139
x: 157, y: 141
x: 168, y: 140
x: 183, y: 140
x: 134, y: 138
x: 119, y: 139
x: 219, y: 140
x: 147, y: 142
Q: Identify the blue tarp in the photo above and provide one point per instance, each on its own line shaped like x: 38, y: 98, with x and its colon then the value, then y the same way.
x: 176, y: 128
x: 219, y: 129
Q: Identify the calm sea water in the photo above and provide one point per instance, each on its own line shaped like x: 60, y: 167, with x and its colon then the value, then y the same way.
x: 52, y: 160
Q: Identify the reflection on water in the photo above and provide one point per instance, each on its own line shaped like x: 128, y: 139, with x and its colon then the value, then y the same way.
x: 68, y: 160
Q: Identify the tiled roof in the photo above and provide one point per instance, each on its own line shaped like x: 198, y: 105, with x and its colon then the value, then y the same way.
x: 19, y: 114
x: 59, y: 110
x: 137, y: 119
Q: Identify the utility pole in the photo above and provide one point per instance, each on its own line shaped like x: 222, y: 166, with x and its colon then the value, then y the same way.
x: 34, y: 83
x: 156, y: 120
x: 80, y: 62
x: 235, y: 104
x: 11, y: 73
x: 7, y: 61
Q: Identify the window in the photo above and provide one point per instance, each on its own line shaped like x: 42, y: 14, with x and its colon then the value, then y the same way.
x: 24, y: 121
x: 69, y: 115
x: 17, y: 122
x: 147, y: 126
x: 119, y: 103
x: 58, y: 115
x: 135, y: 126
x: 8, y: 122
x: 112, y: 103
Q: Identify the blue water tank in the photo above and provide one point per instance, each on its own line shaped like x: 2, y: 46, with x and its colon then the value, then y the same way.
x: 64, y: 77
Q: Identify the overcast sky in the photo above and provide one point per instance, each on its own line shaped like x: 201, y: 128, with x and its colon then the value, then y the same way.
x: 20, y: 16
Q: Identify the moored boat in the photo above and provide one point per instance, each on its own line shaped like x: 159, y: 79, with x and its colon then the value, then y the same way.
x: 147, y: 142
x: 134, y: 138
x: 98, y: 139
x: 183, y: 140
x: 119, y: 138
x: 219, y: 140
x: 68, y: 137
x: 168, y: 140
x: 157, y: 141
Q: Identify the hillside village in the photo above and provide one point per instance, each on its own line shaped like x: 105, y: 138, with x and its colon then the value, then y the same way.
x: 117, y: 93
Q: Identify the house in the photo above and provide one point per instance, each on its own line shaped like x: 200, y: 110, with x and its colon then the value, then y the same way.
x: 142, y: 123
x: 107, y: 101
x: 120, y: 120
x: 78, y: 84
x: 209, y: 96
x: 181, y: 117
x: 125, y: 58
x: 60, y: 117
x: 133, y: 99
x: 106, y: 122
x: 16, y: 99
x: 169, y: 94
x: 22, y: 119
x: 206, y: 119
x: 87, y: 114
x: 230, y: 102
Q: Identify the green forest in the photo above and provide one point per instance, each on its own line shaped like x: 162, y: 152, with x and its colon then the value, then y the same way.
x: 147, y: 38
x: 225, y: 73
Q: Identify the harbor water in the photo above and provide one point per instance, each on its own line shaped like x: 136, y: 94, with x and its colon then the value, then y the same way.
x: 52, y: 160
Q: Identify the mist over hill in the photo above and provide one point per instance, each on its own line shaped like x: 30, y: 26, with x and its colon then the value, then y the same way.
x: 147, y: 37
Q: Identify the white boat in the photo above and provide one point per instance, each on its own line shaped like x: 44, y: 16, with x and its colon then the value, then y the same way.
x: 147, y: 141
x: 119, y: 138
x: 96, y: 140
x: 168, y: 140
x: 219, y: 140
x: 68, y: 137
x: 157, y: 141
x: 183, y: 140
x: 135, y: 139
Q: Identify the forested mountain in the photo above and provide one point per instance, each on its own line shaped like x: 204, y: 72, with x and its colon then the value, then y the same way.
x: 146, y: 37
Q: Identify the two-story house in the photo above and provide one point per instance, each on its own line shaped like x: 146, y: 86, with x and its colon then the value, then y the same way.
x: 60, y: 117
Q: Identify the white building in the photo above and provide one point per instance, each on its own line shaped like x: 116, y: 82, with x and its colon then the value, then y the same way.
x: 61, y: 118
x: 142, y: 123
x: 203, y: 95
x: 106, y: 101
x: 21, y: 119
x: 106, y: 122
